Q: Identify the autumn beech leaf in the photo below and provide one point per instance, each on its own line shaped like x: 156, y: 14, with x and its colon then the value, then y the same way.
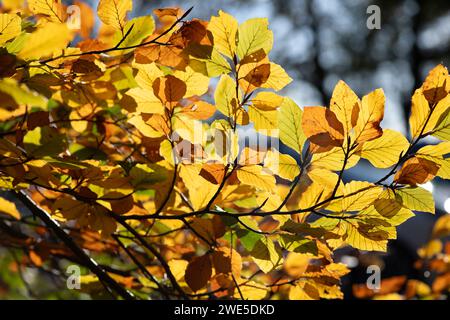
x: 43, y: 42
x: 322, y: 127
x: 254, y: 34
x: 225, y: 96
x: 439, y: 154
x: 224, y: 29
x: 356, y: 195
x: 334, y: 159
x: 265, y: 122
x: 207, y: 60
x: 416, y: 198
x: 200, y: 190
x: 436, y: 86
x: 266, y: 101
x: 53, y: 10
x: 204, y: 229
x: 227, y: 261
x: 385, y: 151
x: 255, y: 176
x: 372, y: 112
x: 346, y: 105
x: 21, y: 94
x: 420, y: 110
x: 169, y: 90
x: 10, y: 27
x: 9, y: 208
x: 277, y: 79
x: 198, y: 272
x: 267, y: 255
x: 196, y: 83
x: 442, y: 129
x: 199, y: 110
x: 416, y: 171
x: 178, y: 268
x: 213, y: 172
x: 250, y: 156
x: 290, y: 125
x: 436, y: 122
x: 296, y: 264
x: 283, y: 165
x: 114, y: 12
x: 137, y: 30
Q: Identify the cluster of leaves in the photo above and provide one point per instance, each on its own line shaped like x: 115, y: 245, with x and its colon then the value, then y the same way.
x: 94, y: 133
x: 433, y: 263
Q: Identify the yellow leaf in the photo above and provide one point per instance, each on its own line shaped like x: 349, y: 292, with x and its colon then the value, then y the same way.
x: 200, y: 189
x: 266, y: 255
x: 9, y: 208
x: 385, y: 151
x: 346, y: 105
x: 323, y: 177
x: 113, y: 12
x: 265, y: 122
x: 420, y: 109
x: 436, y: 154
x: 334, y: 159
x: 45, y: 41
x: 278, y: 78
x: 144, y: 128
x: 178, y: 268
x: 225, y: 96
x: 224, y: 29
x: 283, y: 165
x: 10, y: 27
x: 146, y: 101
x: 442, y: 130
x: 438, y: 114
x: 372, y: 112
x: 290, y: 125
x: 256, y: 177
x: 52, y: 9
x: 416, y: 198
x: 147, y: 74
x: 357, y: 195
x: 267, y: 101
x: 196, y: 83
x: 254, y: 34
x: 296, y: 264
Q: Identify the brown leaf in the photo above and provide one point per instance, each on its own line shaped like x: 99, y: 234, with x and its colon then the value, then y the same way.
x: 416, y: 171
x: 227, y: 260
x: 169, y: 90
x: 198, y: 272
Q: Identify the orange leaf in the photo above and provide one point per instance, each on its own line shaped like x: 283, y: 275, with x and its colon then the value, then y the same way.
x: 322, y: 127
x: 213, y: 172
x: 416, y: 171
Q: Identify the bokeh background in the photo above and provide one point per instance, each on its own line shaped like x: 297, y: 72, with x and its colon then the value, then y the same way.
x: 321, y: 41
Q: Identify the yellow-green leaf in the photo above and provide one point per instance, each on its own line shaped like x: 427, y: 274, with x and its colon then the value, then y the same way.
x: 385, y: 151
